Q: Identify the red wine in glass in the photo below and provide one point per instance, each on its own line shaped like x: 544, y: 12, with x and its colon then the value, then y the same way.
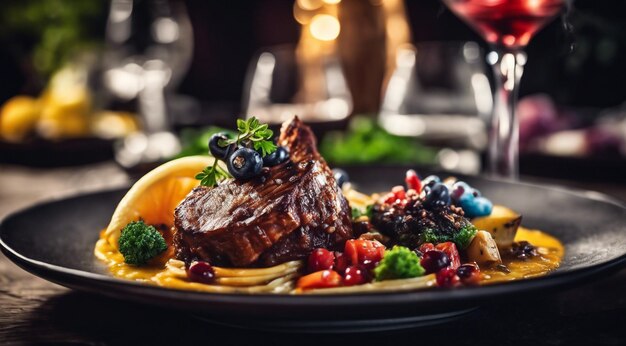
x: 508, y: 25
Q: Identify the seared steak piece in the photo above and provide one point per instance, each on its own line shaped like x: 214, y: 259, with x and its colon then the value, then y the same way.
x: 280, y: 216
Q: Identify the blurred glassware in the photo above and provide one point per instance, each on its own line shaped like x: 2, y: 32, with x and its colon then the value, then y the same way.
x: 276, y: 88
x: 508, y: 26
x: 149, y: 49
x: 439, y: 92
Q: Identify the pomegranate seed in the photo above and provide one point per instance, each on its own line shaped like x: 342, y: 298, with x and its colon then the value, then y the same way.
x: 399, y: 192
x: 321, y: 259
x: 355, y: 276
x: 469, y: 274
x: 413, y: 181
x: 447, y: 277
x: 201, y: 271
x: 435, y: 260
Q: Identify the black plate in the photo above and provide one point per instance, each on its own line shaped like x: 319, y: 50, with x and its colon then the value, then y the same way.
x: 55, y: 241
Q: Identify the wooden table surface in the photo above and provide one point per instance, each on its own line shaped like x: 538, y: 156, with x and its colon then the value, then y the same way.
x: 33, y: 310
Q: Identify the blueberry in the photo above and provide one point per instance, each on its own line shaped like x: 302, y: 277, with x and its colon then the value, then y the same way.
x: 475, y: 206
x: 429, y: 182
x: 244, y: 163
x: 279, y: 156
x: 218, y: 151
x: 459, y: 189
x: 438, y: 196
x: 341, y: 176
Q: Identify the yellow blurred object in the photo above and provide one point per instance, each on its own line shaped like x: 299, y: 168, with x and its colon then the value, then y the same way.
x: 18, y: 118
x: 110, y: 124
x: 154, y: 197
x: 66, y: 106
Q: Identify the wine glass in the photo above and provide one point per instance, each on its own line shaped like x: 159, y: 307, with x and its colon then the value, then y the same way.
x: 149, y: 46
x: 439, y: 92
x: 508, y: 26
x: 279, y: 85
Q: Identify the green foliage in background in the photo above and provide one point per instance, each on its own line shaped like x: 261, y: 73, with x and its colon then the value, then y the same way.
x: 366, y: 142
x: 50, y: 31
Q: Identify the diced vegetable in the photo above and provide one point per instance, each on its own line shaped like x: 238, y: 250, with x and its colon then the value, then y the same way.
x: 483, y: 249
x: 321, y: 279
x: 364, y: 252
x: 502, y: 224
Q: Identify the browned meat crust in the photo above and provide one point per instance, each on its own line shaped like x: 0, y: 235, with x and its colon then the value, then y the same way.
x: 283, y: 215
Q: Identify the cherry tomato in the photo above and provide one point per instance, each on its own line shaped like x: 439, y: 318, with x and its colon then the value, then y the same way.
x: 364, y: 252
x: 453, y: 253
x: 320, y: 279
x: 321, y: 259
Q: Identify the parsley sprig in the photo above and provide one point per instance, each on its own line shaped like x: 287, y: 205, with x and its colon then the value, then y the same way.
x: 251, y: 134
x: 211, y: 175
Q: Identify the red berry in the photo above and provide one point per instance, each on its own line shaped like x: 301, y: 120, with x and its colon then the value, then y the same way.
x: 201, y: 271
x: 451, y: 250
x: 434, y: 260
x: 413, y: 181
x: 399, y: 192
x: 341, y: 262
x: 321, y: 259
x: 355, y: 276
x: 469, y: 274
x: 447, y: 277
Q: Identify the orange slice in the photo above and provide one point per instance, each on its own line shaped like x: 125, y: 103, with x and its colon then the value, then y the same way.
x: 154, y: 197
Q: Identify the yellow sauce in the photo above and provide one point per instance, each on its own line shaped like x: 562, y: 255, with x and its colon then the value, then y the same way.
x: 280, y: 279
x: 550, y: 252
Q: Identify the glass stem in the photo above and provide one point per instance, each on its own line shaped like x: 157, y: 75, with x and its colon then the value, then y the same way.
x: 504, y: 132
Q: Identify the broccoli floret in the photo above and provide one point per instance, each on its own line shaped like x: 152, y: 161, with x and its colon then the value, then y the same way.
x: 463, y: 238
x: 432, y: 236
x: 140, y: 242
x: 398, y: 263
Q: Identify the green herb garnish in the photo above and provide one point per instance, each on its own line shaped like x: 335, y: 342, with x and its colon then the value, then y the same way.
x: 251, y: 134
x: 211, y: 175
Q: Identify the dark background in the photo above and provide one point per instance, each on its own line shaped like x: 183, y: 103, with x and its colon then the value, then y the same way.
x: 578, y: 59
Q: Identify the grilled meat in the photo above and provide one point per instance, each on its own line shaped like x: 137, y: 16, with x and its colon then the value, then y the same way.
x: 279, y: 216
